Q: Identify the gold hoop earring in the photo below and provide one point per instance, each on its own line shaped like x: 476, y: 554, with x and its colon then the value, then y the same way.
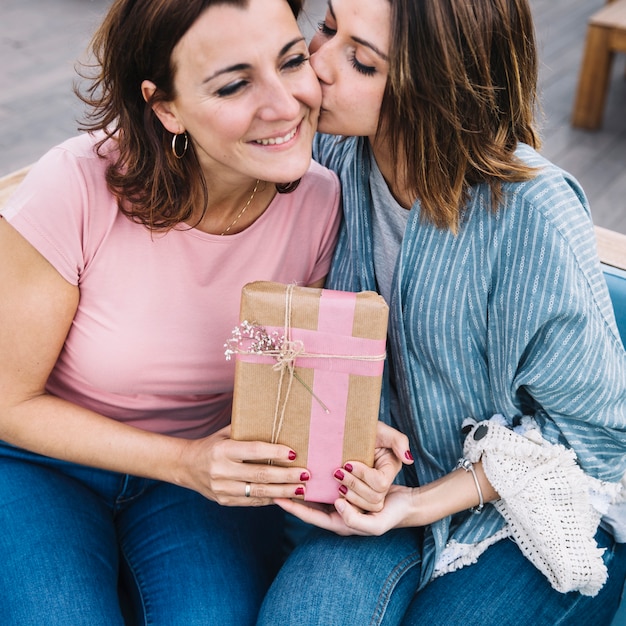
x: 185, y: 146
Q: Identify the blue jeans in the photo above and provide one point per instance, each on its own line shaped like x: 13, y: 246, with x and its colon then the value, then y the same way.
x: 69, y: 533
x: 337, y: 581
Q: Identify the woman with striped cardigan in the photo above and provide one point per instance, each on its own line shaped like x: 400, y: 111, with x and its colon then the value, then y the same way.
x: 505, y: 365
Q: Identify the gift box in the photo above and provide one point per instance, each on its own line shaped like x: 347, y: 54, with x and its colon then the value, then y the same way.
x: 308, y: 374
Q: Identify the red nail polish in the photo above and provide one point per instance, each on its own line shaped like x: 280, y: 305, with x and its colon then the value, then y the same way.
x: 299, y: 491
x: 408, y: 455
x: 339, y: 475
x: 304, y: 476
x: 343, y: 489
x: 292, y: 455
x: 348, y: 467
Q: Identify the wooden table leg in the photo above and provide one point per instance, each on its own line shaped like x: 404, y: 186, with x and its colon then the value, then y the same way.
x: 593, y: 81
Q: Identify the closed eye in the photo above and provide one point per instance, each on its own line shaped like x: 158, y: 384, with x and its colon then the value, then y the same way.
x: 295, y: 62
x: 367, y: 70
x: 326, y: 30
x: 231, y: 88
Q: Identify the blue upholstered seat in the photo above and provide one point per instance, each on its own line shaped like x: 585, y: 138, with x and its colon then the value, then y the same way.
x: 616, y: 281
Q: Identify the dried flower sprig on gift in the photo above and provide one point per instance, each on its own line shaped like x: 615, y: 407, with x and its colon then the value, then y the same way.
x: 251, y: 338
x: 255, y: 339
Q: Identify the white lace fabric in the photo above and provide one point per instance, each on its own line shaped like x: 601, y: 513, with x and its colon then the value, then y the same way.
x: 548, y: 502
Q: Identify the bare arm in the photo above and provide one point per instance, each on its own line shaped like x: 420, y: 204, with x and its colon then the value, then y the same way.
x: 36, y: 312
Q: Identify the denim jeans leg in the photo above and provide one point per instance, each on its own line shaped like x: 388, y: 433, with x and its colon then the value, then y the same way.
x: 343, y: 581
x: 503, y: 588
x: 63, y: 527
x: 193, y: 562
x: 58, y: 550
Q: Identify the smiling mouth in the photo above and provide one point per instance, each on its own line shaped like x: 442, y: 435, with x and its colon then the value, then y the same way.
x: 276, y: 141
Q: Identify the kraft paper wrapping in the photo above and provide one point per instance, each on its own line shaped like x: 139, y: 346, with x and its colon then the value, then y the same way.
x: 328, y: 410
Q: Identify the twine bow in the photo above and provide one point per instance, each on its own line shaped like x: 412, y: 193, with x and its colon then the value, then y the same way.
x: 287, y: 355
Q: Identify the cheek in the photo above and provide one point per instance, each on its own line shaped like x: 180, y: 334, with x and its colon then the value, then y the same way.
x: 315, y: 101
x: 310, y: 89
x: 352, y: 96
x: 356, y: 113
x: 218, y: 125
x: 367, y: 100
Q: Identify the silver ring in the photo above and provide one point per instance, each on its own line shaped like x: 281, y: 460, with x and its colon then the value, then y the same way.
x: 247, y: 491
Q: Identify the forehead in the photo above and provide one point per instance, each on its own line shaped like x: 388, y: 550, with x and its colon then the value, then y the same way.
x: 226, y: 34
x: 368, y: 20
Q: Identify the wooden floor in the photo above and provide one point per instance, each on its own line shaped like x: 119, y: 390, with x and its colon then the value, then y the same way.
x: 41, y: 39
x: 598, y: 158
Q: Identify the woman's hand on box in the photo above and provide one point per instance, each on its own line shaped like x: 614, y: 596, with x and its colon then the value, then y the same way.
x: 367, y: 487
x: 236, y: 473
x: 368, y: 503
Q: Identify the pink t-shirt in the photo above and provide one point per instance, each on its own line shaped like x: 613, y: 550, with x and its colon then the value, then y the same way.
x: 146, y: 346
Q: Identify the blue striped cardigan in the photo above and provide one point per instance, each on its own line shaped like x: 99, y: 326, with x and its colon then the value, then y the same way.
x: 510, y: 316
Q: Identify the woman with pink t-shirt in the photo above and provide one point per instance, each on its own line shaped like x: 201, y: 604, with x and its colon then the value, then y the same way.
x: 122, y: 258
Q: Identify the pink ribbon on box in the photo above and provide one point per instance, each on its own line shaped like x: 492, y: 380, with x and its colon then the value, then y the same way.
x: 326, y: 350
x: 326, y: 432
x: 334, y: 354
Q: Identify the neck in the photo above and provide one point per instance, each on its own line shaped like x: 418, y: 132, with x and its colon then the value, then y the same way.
x: 239, y: 215
x: 393, y: 172
x: 231, y: 211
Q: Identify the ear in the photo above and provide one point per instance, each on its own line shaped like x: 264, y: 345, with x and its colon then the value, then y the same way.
x: 165, y: 111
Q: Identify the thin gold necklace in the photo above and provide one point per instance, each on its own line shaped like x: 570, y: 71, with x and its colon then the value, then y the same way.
x: 247, y: 204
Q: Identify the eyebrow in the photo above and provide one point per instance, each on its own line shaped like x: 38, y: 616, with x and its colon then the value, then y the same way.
x: 245, y: 66
x: 362, y: 42
x: 372, y: 47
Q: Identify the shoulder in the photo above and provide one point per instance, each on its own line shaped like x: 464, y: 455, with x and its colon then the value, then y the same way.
x: 84, y: 148
x: 319, y: 185
x: 63, y: 206
x: 65, y: 174
x: 552, y: 201
x: 71, y: 167
x: 551, y: 189
x: 545, y: 226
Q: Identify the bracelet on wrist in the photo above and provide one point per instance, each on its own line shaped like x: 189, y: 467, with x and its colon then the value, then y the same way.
x: 468, y: 466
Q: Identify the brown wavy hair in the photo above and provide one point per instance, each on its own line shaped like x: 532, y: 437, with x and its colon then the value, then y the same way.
x: 135, y: 43
x: 461, y: 94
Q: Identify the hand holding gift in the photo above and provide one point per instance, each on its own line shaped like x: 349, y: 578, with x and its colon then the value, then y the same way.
x: 236, y: 473
x: 365, y: 487
x: 371, y: 504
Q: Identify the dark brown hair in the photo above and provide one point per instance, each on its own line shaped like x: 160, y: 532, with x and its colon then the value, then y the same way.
x: 460, y: 96
x: 135, y: 43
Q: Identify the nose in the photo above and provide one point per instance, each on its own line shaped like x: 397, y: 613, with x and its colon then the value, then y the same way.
x: 319, y: 60
x: 279, y: 101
